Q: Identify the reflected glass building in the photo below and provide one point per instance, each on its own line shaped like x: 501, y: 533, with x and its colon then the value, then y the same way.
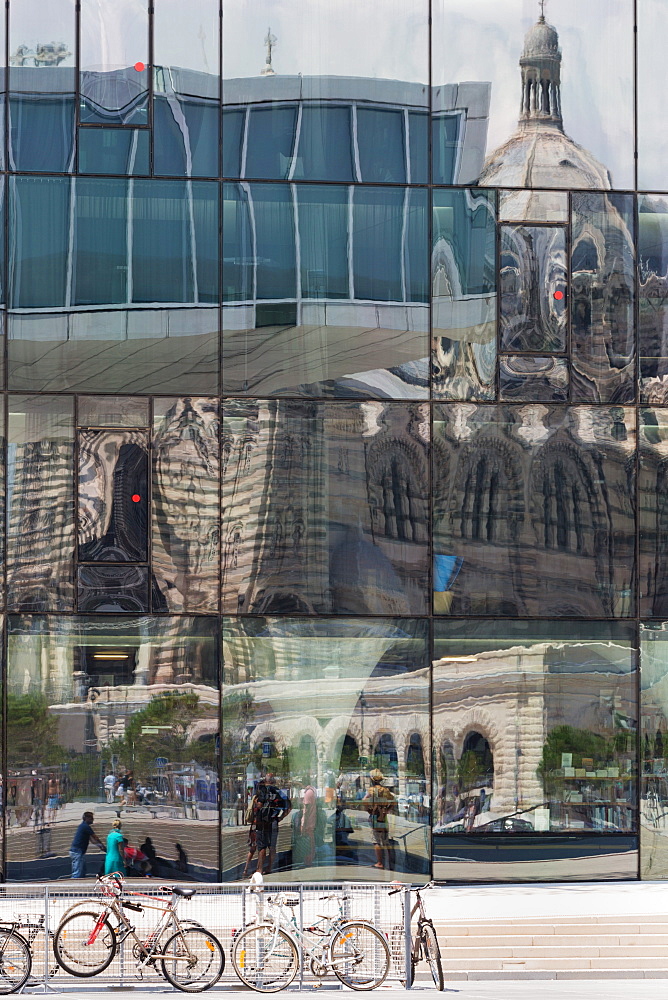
x: 335, y: 424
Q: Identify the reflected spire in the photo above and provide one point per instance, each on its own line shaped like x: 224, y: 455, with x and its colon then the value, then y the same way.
x: 540, y: 64
x: 270, y: 41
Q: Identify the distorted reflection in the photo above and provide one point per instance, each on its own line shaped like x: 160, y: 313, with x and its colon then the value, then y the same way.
x: 113, y: 61
x: 534, y: 734
x: 113, y: 471
x: 532, y: 378
x: 533, y: 206
x: 463, y: 269
x: 534, y: 504
x: 325, y: 291
x: 654, y: 750
x: 40, y: 503
x: 186, y: 110
x: 653, y: 511
x: 334, y: 716
x: 602, y: 298
x: 588, y: 97
x: 125, y: 246
x: 325, y: 507
x: 115, y: 716
x: 186, y: 505
x: 533, y: 288
x: 652, y: 295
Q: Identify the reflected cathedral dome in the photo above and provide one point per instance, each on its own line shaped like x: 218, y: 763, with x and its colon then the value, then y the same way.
x: 539, y: 154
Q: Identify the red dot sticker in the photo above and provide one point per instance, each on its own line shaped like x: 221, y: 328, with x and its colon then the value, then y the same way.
x: 136, y: 498
x: 140, y: 67
x: 558, y: 296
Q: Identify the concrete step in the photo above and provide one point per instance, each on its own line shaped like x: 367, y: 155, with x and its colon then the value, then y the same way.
x: 564, y: 948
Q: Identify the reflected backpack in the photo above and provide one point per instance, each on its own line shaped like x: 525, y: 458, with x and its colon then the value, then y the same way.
x: 269, y: 804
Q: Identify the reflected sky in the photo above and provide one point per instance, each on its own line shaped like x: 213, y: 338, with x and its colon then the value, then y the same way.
x: 482, y: 40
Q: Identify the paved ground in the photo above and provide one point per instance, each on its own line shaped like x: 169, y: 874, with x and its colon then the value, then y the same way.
x: 597, y: 990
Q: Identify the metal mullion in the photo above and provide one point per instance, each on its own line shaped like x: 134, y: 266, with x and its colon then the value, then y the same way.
x: 149, y: 502
x: 75, y: 496
x: 149, y: 96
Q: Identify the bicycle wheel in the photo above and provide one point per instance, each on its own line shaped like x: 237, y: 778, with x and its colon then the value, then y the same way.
x: 15, y: 961
x: 359, y: 956
x: 193, y: 960
x: 432, y: 954
x: 84, y: 943
x: 265, y: 959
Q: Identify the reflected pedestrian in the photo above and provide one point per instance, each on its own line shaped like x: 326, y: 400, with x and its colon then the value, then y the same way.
x: 379, y: 802
x: 82, y: 837
x: 182, y: 859
x: 115, y: 859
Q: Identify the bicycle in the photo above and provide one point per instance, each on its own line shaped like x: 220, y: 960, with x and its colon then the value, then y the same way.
x: 424, y: 942
x: 86, y: 941
x: 267, y: 955
x: 15, y: 958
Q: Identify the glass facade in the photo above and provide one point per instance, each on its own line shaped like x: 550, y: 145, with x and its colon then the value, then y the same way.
x: 335, y: 437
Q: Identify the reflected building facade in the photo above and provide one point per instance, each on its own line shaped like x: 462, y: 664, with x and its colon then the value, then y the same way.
x: 334, y: 373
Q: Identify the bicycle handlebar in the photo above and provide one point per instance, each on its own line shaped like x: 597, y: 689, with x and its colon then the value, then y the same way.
x: 416, y: 888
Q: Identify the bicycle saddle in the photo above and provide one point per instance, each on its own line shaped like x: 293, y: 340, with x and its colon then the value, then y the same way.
x: 291, y: 901
x: 185, y: 893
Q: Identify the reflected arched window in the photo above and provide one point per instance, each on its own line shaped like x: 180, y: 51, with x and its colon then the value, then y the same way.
x: 490, y: 493
x: 568, y: 503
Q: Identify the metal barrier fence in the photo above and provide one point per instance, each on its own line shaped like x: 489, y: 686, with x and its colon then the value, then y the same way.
x: 223, y: 909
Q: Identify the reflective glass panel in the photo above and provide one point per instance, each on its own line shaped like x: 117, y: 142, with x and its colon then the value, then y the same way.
x: 113, y: 151
x: 418, y: 146
x: 534, y: 510
x: 602, y: 298
x: 271, y: 136
x: 653, y: 511
x: 126, y: 719
x: 447, y: 145
x: 373, y: 52
x: 652, y: 70
x: 653, y: 743
x: 377, y: 130
x: 533, y: 378
x: 115, y: 350
x: 534, y: 731
x: 112, y: 411
x: 336, y: 713
x: 569, y: 74
x: 533, y: 288
x: 652, y: 295
x: 112, y: 589
x: 326, y: 342
x: 39, y: 220
x: 100, y: 273
x: 40, y: 503
x: 41, y: 132
x: 113, y: 62
x: 533, y: 206
x: 234, y: 124
x: 186, y: 508
x: 113, y: 496
x: 186, y: 111
x: 325, y: 507
x: 325, y: 143
x: 42, y: 46
x: 463, y: 265
x: 42, y: 37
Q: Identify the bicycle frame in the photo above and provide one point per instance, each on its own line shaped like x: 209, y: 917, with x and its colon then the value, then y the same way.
x: 282, y: 917
x: 150, y: 947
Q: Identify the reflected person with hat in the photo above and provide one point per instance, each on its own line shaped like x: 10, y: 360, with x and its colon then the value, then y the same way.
x: 379, y: 802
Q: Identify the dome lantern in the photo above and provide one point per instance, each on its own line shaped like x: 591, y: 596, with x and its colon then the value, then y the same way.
x: 540, y: 64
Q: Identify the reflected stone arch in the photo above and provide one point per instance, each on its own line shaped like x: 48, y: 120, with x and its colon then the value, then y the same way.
x: 398, y: 490
x: 416, y: 765
x: 567, y: 512
x: 488, y: 500
x: 476, y: 761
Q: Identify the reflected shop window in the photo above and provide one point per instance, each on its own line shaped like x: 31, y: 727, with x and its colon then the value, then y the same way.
x: 534, y: 742
x: 118, y: 716
x: 336, y: 714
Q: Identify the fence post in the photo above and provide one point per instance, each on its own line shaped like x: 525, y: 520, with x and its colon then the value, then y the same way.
x: 46, y: 938
x: 408, y: 949
x: 301, y: 943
